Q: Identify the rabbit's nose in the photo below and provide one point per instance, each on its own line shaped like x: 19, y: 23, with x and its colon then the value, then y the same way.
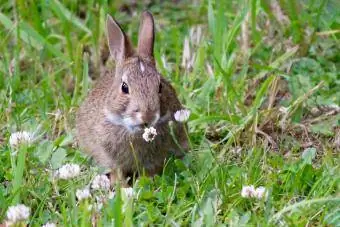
x: 148, y: 119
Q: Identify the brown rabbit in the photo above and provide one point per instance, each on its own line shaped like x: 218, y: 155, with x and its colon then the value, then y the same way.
x: 111, y: 120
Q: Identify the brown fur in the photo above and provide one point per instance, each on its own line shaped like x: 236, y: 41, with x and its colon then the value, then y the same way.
x: 112, y: 145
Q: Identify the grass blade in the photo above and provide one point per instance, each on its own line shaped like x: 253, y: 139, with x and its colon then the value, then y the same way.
x: 65, y: 14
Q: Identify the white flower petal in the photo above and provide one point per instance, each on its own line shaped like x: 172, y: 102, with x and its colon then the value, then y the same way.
x: 261, y: 193
x: 149, y: 134
x: 83, y: 194
x: 49, y: 224
x: 18, y: 213
x: 18, y: 138
x: 100, y: 182
x: 182, y: 115
x: 248, y: 191
x: 68, y: 171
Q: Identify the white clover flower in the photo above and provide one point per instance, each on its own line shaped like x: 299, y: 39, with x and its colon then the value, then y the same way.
x: 18, y: 213
x: 49, y: 224
x: 100, y: 182
x: 248, y: 191
x: 83, y: 194
x: 68, y: 171
x: 251, y: 192
x: 182, y: 115
x: 149, y: 134
x: 261, y: 193
x: 128, y: 192
x: 18, y: 138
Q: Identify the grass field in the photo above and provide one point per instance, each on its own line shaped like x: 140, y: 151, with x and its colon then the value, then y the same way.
x: 261, y: 79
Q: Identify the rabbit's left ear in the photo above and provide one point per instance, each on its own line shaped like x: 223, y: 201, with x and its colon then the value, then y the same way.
x: 146, y: 35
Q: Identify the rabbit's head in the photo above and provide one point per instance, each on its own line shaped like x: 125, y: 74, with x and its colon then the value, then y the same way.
x: 134, y: 100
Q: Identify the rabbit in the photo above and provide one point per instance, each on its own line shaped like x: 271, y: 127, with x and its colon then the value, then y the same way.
x: 111, y: 120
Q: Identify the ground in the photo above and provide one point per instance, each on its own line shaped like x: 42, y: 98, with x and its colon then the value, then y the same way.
x: 261, y: 79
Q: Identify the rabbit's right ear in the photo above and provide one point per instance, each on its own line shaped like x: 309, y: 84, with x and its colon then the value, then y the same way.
x: 146, y: 35
x: 119, y: 44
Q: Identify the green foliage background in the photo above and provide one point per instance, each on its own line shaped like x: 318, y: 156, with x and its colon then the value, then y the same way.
x: 262, y: 83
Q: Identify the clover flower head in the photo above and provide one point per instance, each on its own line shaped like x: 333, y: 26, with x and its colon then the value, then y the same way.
x: 248, y: 191
x: 18, y: 213
x: 22, y: 137
x: 261, y: 193
x: 82, y: 194
x: 182, y: 115
x: 100, y: 182
x: 251, y: 192
x: 68, y: 171
x: 149, y: 134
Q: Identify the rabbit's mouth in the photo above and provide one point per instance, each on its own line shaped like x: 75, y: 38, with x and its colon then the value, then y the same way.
x: 136, y: 128
x: 132, y: 124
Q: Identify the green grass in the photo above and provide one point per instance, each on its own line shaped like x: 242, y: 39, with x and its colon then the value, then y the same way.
x: 274, y: 98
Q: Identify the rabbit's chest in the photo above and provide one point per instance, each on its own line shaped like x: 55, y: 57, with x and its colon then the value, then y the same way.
x: 136, y: 154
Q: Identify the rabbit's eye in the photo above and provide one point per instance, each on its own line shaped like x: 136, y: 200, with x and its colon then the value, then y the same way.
x: 125, y: 88
x: 160, y: 88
